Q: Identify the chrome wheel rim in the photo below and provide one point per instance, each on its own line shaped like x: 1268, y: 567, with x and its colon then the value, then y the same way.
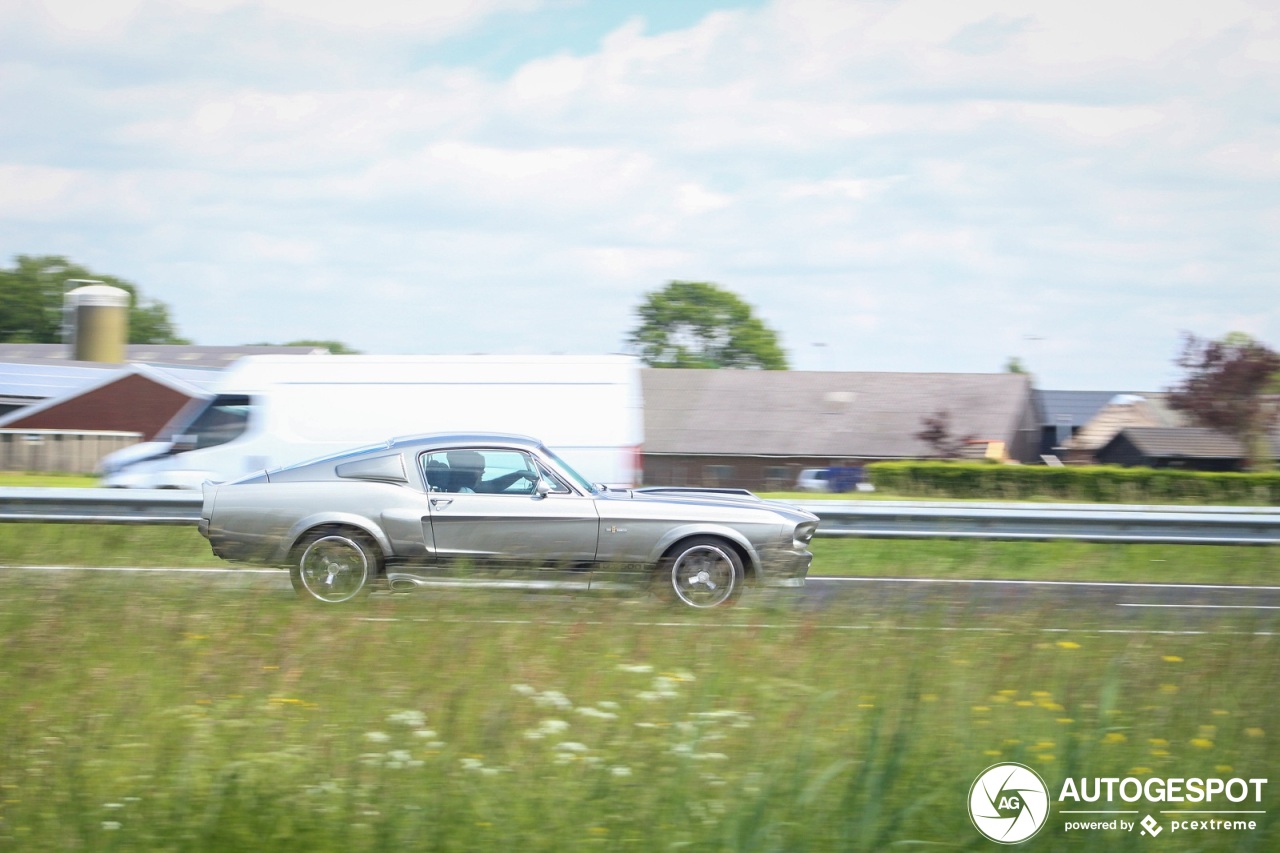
x: 334, y: 568
x: 704, y: 576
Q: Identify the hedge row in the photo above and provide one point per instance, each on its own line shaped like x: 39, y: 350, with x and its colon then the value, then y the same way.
x: 1088, y: 484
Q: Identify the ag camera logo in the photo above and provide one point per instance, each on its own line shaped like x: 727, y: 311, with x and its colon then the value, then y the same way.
x: 1008, y: 803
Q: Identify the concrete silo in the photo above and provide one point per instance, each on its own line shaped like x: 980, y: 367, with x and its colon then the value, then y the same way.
x: 97, y: 318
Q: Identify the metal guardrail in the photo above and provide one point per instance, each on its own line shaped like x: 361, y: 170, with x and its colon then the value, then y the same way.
x: 868, y: 519
x: 100, y: 506
x: 1188, y: 525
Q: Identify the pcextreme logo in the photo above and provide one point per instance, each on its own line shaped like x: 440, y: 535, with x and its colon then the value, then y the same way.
x: 1009, y: 803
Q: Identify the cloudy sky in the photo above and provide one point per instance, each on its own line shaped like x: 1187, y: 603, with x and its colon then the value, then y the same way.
x: 914, y: 185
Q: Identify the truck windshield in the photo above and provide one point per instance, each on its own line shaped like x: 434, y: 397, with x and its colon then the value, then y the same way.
x: 224, y: 418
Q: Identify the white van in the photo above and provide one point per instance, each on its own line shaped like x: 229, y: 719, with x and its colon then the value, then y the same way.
x: 277, y: 410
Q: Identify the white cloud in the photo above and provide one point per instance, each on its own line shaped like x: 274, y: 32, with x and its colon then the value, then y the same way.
x: 915, y: 184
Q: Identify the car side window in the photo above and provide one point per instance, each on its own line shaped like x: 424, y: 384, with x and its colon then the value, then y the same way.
x: 481, y: 471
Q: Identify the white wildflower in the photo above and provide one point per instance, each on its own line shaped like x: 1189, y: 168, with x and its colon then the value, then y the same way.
x: 377, y: 737
x: 412, y: 719
x: 546, y: 727
x: 620, y: 770
x: 553, y: 699
x: 635, y: 667
x: 597, y: 714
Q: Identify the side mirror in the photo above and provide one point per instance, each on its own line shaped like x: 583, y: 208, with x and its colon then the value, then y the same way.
x: 541, y: 489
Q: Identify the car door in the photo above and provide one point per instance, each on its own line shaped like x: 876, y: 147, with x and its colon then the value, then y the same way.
x: 486, y: 510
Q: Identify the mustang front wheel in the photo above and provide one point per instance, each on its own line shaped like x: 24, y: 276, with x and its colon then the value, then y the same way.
x: 334, y: 567
x: 704, y: 572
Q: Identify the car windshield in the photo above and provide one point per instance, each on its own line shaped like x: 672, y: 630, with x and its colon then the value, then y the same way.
x: 568, y: 471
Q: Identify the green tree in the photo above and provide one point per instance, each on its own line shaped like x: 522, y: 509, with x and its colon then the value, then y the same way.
x: 1015, y: 365
x: 335, y: 347
x: 1226, y: 388
x: 696, y: 324
x: 31, y: 296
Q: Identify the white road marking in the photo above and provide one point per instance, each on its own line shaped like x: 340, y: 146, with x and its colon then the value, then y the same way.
x: 1123, y: 584
x: 824, y: 578
x: 759, y: 625
x: 1206, y: 606
x: 162, y: 570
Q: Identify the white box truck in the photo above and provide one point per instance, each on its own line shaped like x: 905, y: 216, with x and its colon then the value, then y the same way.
x: 277, y: 410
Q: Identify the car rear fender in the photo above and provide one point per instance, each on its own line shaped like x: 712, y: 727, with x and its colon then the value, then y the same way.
x: 330, y: 519
x: 750, y: 559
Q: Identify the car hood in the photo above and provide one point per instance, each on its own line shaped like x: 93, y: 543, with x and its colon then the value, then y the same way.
x: 685, y: 496
x: 126, y: 456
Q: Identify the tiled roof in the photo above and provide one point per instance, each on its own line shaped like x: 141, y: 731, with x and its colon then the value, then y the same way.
x: 171, y: 354
x: 1197, y: 442
x: 819, y: 413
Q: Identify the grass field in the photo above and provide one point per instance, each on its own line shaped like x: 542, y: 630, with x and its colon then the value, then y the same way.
x: 155, y: 714
x: 162, y: 715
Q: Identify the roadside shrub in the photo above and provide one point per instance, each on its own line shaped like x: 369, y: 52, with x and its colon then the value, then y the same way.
x: 1086, y: 484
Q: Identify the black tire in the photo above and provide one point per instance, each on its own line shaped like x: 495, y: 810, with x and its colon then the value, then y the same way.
x: 702, y: 573
x: 334, y: 565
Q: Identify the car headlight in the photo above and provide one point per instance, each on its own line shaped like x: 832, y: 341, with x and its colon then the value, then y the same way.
x: 804, y: 533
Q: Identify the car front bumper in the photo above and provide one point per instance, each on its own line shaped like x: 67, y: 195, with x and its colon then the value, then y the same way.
x: 784, y: 567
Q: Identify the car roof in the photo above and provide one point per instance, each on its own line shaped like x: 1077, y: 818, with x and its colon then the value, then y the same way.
x: 455, y: 439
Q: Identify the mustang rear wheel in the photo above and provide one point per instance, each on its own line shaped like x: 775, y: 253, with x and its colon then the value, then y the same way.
x: 334, y: 566
x: 703, y: 572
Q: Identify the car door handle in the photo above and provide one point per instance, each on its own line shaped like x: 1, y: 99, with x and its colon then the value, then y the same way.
x: 440, y: 503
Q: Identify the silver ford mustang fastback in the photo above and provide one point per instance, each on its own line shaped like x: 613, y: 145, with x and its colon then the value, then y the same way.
x: 499, y: 510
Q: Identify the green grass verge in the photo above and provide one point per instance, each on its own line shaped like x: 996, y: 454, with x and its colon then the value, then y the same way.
x: 151, y: 546
x: 1047, y: 561
x: 46, y: 480
x: 144, y: 716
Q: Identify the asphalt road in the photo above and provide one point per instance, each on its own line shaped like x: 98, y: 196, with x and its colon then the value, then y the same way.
x: 929, y: 604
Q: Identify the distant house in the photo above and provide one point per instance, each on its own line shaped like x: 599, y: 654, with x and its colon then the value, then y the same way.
x: 758, y: 429
x: 42, y: 388
x: 1192, y: 448
x: 58, y: 414
x: 1063, y: 414
x: 135, y: 398
x: 1122, y: 412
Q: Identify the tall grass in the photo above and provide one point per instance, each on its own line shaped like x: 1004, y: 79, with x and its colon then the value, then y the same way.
x: 174, y: 717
